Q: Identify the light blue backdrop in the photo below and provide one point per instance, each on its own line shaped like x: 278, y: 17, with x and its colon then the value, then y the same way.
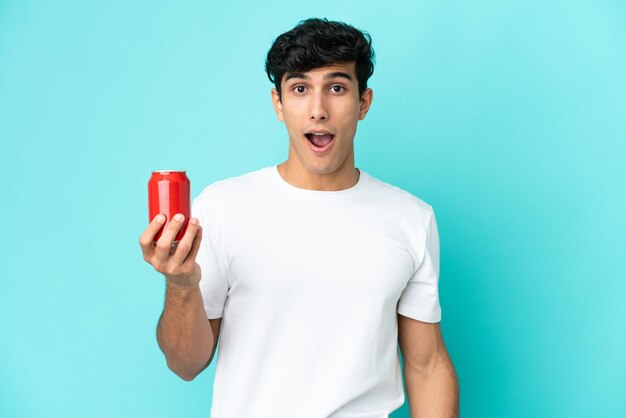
x: 507, y: 117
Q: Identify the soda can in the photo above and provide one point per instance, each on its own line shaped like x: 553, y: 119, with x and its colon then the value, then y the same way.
x: 169, y: 193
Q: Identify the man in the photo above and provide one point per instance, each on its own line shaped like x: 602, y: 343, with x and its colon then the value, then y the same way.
x: 310, y: 272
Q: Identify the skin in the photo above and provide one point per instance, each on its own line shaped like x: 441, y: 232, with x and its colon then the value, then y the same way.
x: 316, y: 99
x: 320, y: 101
x: 432, y: 386
x: 185, y: 336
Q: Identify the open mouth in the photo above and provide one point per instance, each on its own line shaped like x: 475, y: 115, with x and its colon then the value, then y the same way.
x: 320, y: 142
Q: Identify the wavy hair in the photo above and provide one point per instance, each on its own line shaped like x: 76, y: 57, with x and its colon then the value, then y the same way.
x: 315, y: 43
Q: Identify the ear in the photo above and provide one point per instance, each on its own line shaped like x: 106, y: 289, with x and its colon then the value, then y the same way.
x: 278, y: 106
x: 366, y: 102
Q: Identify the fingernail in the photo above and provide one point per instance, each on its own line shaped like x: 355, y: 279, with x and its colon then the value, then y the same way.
x: 193, y: 221
x: 160, y: 218
x: 178, y: 217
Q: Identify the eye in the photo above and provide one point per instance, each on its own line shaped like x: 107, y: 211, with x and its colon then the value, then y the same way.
x: 337, y: 86
x: 299, y: 89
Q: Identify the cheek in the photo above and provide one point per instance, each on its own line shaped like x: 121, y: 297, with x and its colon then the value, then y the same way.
x: 349, y: 119
x: 349, y: 110
x: 294, y: 107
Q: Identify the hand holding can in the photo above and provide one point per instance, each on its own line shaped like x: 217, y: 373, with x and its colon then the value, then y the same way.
x: 177, y: 264
x: 171, y: 241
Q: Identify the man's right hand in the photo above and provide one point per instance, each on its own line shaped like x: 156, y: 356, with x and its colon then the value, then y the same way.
x: 178, y: 266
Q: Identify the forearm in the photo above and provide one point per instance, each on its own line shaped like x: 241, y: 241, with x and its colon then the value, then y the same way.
x: 184, y: 333
x: 433, y: 393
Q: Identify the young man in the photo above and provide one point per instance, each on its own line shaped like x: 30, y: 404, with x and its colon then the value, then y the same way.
x: 311, y: 272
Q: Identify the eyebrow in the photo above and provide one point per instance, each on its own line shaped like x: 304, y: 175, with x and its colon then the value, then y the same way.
x: 336, y: 74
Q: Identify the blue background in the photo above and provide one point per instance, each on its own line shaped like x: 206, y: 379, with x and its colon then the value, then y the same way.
x: 507, y: 117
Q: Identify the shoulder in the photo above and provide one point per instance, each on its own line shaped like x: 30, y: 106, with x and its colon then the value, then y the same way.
x: 233, y: 185
x: 400, y: 201
x: 230, y: 191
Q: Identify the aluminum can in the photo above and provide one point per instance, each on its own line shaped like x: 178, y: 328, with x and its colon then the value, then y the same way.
x: 169, y: 193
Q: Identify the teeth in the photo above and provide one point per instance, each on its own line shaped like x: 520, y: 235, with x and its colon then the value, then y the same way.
x: 318, y: 133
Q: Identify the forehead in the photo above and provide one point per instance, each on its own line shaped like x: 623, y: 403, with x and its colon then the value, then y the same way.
x: 345, y: 71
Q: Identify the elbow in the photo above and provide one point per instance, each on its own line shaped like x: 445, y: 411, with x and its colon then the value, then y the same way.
x: 421, y: 370
x: 429, y: 366
x: 185, y: 373
x: 187, y: 377
x: 187, y: 367
x: 188, y: 371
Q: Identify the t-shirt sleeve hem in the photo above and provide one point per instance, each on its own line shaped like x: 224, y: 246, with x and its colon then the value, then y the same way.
x: 411, y: 312
x: 213, y: 313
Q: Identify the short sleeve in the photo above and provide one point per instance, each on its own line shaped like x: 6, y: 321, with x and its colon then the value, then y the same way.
x: 420, y: 298
x: 214, y: 279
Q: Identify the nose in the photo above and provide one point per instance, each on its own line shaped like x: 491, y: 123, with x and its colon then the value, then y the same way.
x: 318, y: 108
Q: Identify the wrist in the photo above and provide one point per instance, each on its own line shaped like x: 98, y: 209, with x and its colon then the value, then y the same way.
x: 181, y: 288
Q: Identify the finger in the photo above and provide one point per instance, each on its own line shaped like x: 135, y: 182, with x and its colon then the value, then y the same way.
x: 146, y: 240
x: 164, y: 244
x: 186, y: 243
x: 191, y: 257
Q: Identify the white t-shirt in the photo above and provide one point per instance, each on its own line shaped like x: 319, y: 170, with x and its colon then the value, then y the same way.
x: 308, y: 284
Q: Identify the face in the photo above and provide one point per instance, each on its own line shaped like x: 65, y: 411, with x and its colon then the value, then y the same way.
x: 323, y: 100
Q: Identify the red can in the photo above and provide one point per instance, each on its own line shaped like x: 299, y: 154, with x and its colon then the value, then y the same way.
x: 169, y: 194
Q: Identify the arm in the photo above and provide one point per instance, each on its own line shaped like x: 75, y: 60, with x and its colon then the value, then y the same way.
x: 431, y: 382
x: 184, y: 334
